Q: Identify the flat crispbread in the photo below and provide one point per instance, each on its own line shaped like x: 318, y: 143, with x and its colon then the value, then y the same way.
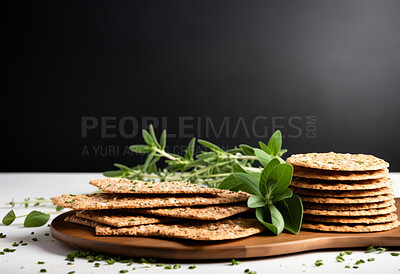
x: 339, y: 175
x: 120, y: 185
x: 338, y: 161
x: 81, y: 221
x: 119, y: 218
x: 342, y: 193
x: 226, y: 229
x: 215, y: 212
x: 341, y: 185
x: 365, y: 212
x: 350, y: 207
x: 352, y: 220
x: 325, y: 200
x: 350, y: 228
x: 122, y: 201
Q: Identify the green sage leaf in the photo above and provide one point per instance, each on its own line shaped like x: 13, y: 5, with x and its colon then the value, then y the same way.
x: 264, y: 147
x: 270, y: 217
x: 292, y: 212
x: 256, y: 201
x: 279, y: 178
x: 284, y: 195
x: 36, y: 219
x: 247, y: 150
x: 262, y: 156
x: 264, y: 176
x: 275, y: 143
x: 241, y: 181
x: 9, y: 218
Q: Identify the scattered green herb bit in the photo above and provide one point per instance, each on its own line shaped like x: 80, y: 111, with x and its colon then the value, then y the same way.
x: 253, y: 272
x: 152, y: 260
x: 71, y: 272
x: 9, y: 249
x: 91, y: 261
x: 110, y: 261
x: 108, y: 185
x: 246, y: 270
x: 318, y: 263
x: 15, y: 244
x: 347, y: 266
x: 395, y: 254
x: 234, y: 262
x: 381, y: 249
x: 1, y: 253
x: 134, y: 268
x: 96, y: 264
x: 2, y: 235
x: 32, y: 233
x: 167, y: 267
x: 146, y: 265
x: 192, y: 267
x: 123, y: 271
x: 69, y: 263
x: 70, y: 202
x: 360, y: 262
x: 40, y: 262
x: 34, y: 239
x: 348, y: 252
x: 355, y: 266
x: 43, y: 270
x: 171, y: 226
x: 340, y: 259
x: 370, y: 249
x: 371, y: 259
x: 159, y: 265
x: 46, y: 234
x: 177, y: 266
x: 59, y: 208
x: 131, y: 220
x: 9, y: 218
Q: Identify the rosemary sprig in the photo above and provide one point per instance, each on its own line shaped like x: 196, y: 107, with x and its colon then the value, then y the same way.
x: 210, y: 166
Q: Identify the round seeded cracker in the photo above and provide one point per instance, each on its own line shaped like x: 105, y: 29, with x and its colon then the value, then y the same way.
x: 342, y: 193
x: 338, y: 175
x: 352, y: 220
x: 341, y: 185
x: 344, y: 207
x: 326, y: 200
x: 338, y: 161
x: 351, y: 228
x: 365, y: 212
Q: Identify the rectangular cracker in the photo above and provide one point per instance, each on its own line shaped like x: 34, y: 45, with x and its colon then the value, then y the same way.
x: 226, y: 229
x: 120, y: 185
x: 118, y: 201
x: 77, y: 220
x: 215, y: 212
x: 120, y: 218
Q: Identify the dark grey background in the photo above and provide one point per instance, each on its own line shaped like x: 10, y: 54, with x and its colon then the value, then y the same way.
x: 336, y: 60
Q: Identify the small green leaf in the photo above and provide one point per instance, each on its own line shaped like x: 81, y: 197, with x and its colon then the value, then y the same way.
x: 36, y: 219
x: 153, y: 136
x: 122, y: 167
x: 241, y: 181
x: 275, y: 143
x: 262, y: 156
x: 211, y: 146
x: 163, y: 139
x: 189, y: 152
x: 264, y: 176
x: 284, y: 195
x: 279, y: 178
x: 112, y: 173
x: 147, y: 138
x: 264, y: 147
x: 140, y: 148
x: 148, y: 160
x: 270, y: 217
x: 9, y: 218
x: 256, y: 201
x: 247, y: 150
x: 292, y: 212
x: 59, y: 208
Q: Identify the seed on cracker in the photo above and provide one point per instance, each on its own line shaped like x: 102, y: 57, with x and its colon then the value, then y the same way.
x: 120, y: 185
x: 215, y: 212
x: 338, y: 161
x: 341, y: 193
x: 338, y: 175
x: 119, y: 218
x: 119, y: 201
x: 365, y: 212
x: 341, y: 185
x: 352, y: 220
x: 350, y: 228
x: 326, y: 200
x: 226, y: 229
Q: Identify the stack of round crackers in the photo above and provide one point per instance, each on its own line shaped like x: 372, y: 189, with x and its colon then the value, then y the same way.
x: 162, y: 209
x: 344, y: 192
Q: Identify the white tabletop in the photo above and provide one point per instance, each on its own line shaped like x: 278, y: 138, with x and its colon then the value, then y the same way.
x: 52, y: 252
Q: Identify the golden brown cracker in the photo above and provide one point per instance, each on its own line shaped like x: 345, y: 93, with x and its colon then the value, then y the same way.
x: 341, y: 185
x: 326, y: 200
x: 342, y: 193
x: 81, y: 221
x: 350, y: 207
x: 338, y: 175
x: 365, y: 212
x: 352, y: 220
x: 350, y: 228
x: 338, y: 161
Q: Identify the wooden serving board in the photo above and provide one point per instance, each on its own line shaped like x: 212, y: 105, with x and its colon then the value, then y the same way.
x: 83, y: 238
